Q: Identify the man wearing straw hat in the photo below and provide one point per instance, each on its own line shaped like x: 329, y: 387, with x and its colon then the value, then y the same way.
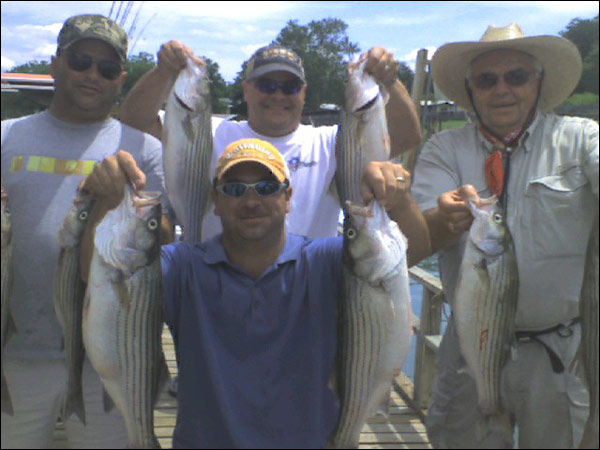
x: 544, y: 168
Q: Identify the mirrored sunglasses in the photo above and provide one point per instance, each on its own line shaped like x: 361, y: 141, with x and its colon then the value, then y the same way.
x: 268, y: 86
x: 265, y: 188
x: 515, y: 78
x: 81, y: 62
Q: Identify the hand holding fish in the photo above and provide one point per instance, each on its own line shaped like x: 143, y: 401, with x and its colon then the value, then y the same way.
x: 109, y: 177
x: 454, y: 209
x: 387, y: 182
x: 382, y: 65
x: 173, y: 56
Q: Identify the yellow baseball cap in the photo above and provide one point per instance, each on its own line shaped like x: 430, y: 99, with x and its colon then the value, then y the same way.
x: 253, y: 150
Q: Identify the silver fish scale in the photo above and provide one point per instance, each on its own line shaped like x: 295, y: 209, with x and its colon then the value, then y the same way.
x: 349, y: 156
x: 498, y: 295
x: 140, y: 352
x: 364, y: 339
x: 588, y: 311
x: 198, y: 157
x: 69, y: 292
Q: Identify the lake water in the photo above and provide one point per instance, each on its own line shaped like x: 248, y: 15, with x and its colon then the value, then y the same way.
x: 416, y: 294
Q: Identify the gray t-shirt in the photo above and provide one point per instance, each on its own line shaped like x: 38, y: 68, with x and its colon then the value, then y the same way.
x: 43, y: 162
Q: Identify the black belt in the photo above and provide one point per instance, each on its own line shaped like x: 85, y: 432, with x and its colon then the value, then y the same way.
x: 562, y: 330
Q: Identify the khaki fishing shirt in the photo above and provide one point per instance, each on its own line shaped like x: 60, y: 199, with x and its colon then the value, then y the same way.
x: 552, y: 195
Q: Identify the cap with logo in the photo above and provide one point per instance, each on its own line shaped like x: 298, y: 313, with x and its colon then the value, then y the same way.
x: 93, y: 26
x: 274, y: 58
x: 252, y: 150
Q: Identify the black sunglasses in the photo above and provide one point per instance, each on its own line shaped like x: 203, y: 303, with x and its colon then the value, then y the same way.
x: 488, y: 80
x: 268, y: 86
x: 265, y: 188
x: 80, y: 62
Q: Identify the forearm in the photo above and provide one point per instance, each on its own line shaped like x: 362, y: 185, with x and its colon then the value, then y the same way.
x: 403, y: 121
x: 140, y: 107
x: 414, y: 226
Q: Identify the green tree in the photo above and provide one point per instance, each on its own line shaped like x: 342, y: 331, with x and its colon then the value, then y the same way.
x: 584, y: 34
x: 324, y: 48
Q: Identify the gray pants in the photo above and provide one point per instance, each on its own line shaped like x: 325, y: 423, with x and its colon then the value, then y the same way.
x: 37, y: 388
x: 549, y: 409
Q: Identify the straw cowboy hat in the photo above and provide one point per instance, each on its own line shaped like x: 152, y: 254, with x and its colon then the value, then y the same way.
x: 559, y: 57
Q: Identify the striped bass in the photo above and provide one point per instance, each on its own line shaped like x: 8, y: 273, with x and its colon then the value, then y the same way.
x: 485, y: 307
x: 122, y: 323
x: 68, y: 293
x: 374, y: 311
x: 8, y: 324
x: 375, y: 316
x: 363, y: 135
x: 188, y: 146
x: 588, y: 311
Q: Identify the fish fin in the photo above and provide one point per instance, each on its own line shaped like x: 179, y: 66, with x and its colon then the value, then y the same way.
x: 109, y: 405
x: 123, y: 292
x: 383, y: 409
x: 73, y: 403
x: 163, y: 377
x: 7, y: 406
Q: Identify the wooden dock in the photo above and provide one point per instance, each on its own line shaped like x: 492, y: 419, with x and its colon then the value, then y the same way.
x: 402, y: 429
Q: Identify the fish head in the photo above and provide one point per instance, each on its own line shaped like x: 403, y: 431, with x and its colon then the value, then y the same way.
x: 489, y: 231
x: 361, y: 88
x: 74, y: 224
x: 373, y: 244
x: 128, y: 237
x: 191, y: 87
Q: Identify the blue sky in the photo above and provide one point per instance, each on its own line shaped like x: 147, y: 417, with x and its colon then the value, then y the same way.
x: 229, y: 32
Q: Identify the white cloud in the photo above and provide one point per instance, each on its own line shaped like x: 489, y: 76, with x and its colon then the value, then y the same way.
x: 410, y: 59
x: 7, y: 63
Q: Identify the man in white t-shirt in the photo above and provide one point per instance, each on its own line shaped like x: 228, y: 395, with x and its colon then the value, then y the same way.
x: 275, y: 89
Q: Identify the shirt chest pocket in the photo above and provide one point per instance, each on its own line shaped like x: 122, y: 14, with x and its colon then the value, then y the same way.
x: 557, y: 212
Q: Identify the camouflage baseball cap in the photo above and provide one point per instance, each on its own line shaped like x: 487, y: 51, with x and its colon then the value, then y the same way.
x: 93, y: 26
x: 273, y: 58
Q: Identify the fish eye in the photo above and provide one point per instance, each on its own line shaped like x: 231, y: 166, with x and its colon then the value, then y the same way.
x: 83, y: 215
x: 152, y: 224
x: 351, y: 233
x: 498, y: 218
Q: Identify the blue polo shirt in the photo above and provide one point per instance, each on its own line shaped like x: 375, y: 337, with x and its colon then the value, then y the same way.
x: 254, y: 356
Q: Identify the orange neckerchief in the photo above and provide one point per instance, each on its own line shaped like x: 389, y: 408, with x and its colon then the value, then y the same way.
x: 494, y: 169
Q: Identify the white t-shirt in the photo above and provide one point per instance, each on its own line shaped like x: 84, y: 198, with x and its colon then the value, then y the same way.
x: 310, y: 154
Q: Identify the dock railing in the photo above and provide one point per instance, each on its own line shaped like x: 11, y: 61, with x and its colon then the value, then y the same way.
x: 427, y: 331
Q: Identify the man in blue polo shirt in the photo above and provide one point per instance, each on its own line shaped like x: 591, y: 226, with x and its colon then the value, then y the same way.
x: 254, y: 312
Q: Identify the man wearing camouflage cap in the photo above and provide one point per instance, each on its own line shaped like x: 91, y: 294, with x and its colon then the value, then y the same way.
x: 45, y: 157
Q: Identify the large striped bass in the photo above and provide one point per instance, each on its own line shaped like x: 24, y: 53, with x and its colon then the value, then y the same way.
x: 375, y: 315
x: 122, y: 323
x: 8, y: 324
x: 588, y: 311
x: 188, y: 146
x: 374, y: 311
x: 363, y: 135
x: 68, y: 293
x: 485, y: 307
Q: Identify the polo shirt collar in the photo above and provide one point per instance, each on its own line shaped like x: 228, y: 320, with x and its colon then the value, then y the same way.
x: 214, y: 252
